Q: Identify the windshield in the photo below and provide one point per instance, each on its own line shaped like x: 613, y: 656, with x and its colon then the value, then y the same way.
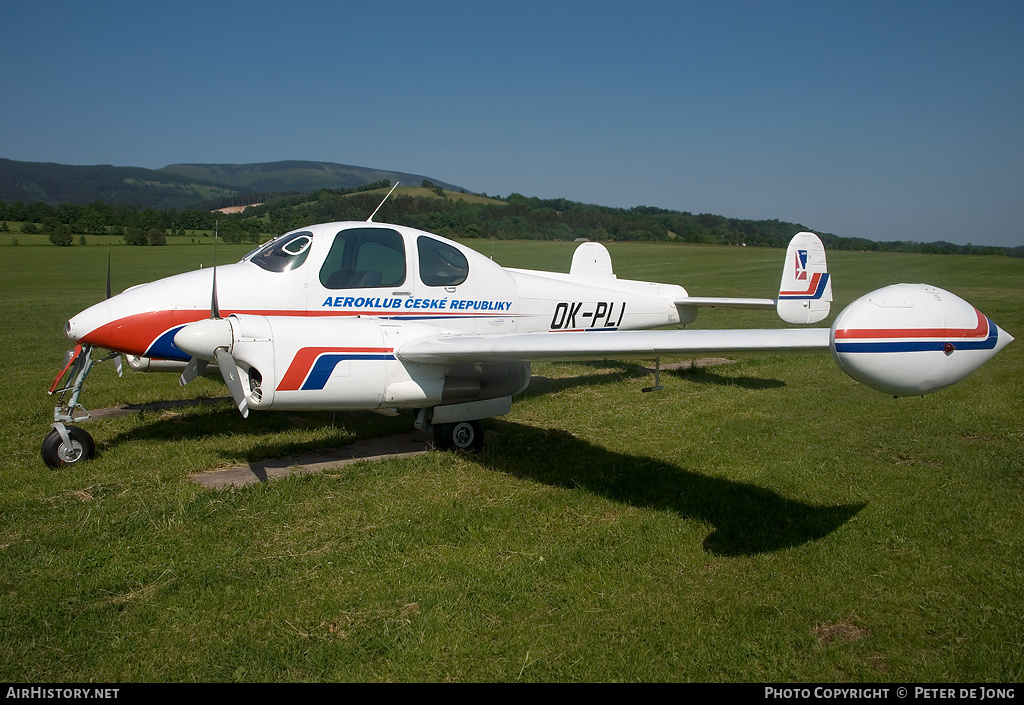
x: 283, y: 253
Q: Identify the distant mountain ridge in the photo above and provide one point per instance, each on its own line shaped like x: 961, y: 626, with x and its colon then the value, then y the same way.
x: 29, y: 182
x: 276, y: 177
x: 182, y: 185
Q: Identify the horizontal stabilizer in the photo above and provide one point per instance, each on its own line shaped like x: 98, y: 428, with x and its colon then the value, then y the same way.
x: 724, y: 302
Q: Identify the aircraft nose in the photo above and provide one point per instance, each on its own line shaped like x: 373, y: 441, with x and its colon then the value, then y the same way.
x: 91, y: 320
x: 1004, y: 339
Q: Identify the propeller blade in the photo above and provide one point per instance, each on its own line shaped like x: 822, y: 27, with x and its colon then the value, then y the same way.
x: 229, y: 371
x: 193, y: 369
x: 117, y: 356
x: 108, y: 271
x: 214, y: 304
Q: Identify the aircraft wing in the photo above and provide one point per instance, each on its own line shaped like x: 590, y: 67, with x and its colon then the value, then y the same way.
x: 555, y: 346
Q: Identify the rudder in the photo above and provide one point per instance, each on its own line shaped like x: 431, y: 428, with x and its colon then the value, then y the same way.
x: 805, y: 293
x: 591, y: 261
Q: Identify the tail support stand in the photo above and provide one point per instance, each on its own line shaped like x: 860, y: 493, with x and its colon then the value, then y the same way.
x: 657, y: 377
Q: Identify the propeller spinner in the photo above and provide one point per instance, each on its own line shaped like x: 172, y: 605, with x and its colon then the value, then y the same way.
x: 207, y: 341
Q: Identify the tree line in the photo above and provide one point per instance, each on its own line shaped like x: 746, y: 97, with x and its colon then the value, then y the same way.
x: 515, y: 217
x: 526, y: 218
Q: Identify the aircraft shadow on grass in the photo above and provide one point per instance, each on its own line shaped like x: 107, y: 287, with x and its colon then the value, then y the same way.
x: 609, y: 372
x: 185, y: 428
x: 748, y: 519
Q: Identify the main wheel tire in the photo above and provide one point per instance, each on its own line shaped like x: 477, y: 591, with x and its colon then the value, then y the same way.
x: 463, y: 436
x: 57, y: 454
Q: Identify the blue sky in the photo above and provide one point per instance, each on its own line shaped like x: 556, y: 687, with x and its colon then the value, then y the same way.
x: 886, y: 120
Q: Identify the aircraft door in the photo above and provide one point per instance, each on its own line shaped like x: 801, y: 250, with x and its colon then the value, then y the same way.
x: 463, y: 289
x: 364, y: 272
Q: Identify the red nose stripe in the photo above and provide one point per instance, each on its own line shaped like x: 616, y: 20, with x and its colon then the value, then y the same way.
x: 134, y: 334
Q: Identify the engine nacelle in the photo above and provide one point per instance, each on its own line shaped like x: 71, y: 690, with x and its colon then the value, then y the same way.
x: 912, y: 339
x: 349, y: 363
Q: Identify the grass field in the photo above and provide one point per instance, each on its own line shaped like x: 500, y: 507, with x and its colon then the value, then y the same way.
x: 767, y: 520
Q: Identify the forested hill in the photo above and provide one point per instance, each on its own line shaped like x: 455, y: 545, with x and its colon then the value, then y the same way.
x: 521, y: 217
x: 434, y: 209
x: 83, y: 200
x: 29, y: 182
x: 182, y: 185
x: 296, y: 176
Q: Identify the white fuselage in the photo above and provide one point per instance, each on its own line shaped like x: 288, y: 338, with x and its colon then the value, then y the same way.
x: 311, y: 308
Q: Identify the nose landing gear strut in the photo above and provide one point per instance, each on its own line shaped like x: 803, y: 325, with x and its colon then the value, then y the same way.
x: 66, y: 444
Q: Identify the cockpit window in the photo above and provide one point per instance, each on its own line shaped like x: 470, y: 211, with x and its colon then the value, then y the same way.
x: 283, y: 253
x: 440, y: 263
x: 363, y: 258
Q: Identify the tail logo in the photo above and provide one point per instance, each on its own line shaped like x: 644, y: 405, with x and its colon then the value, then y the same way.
x: 801, y: 265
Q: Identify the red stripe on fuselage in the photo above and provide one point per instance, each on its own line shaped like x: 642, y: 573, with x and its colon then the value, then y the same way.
x: 979, y: 331
x: 133, y: 335
x: 304, y: 359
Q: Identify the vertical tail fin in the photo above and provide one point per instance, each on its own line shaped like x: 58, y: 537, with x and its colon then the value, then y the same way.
x: 591, y: 261
x: 805, y: 294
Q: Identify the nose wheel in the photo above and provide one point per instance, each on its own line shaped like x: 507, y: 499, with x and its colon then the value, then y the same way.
x: 75, y: 445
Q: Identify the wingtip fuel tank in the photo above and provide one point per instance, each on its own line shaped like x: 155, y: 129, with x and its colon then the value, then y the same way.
x: 913, y: 339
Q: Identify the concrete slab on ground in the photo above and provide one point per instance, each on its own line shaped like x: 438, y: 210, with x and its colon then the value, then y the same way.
x: 404, y: 445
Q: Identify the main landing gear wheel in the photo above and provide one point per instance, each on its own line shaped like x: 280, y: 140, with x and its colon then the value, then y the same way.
x: 461, y: 436
x: 58, y: 454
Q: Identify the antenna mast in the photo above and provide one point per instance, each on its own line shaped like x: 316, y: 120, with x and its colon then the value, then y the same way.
x: 370, y: 219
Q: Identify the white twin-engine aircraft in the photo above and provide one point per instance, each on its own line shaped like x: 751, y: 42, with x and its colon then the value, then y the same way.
x: 364, y: 315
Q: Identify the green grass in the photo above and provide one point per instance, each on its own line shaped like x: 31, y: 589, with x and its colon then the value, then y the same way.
x: 19, y: 239
x: 768, y: 520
